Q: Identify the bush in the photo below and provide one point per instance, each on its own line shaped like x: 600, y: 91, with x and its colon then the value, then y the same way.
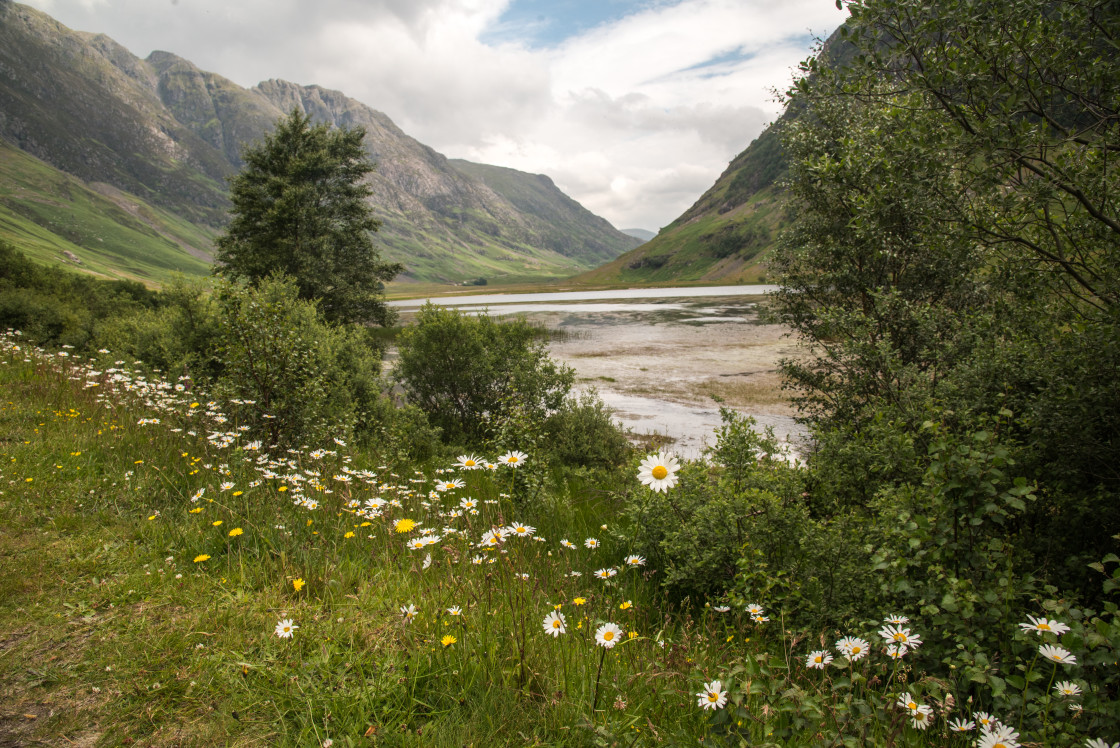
x: 465, y: 372
x: 582, y: 434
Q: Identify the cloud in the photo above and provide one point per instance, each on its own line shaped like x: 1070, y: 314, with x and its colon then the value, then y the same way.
x: 634, y: 110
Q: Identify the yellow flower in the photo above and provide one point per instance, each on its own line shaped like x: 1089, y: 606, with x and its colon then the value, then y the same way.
x: 196, y: 510
x: 298, y: 584
x: 633, y: 634
x: 216, y: 523
x: 235, y: 532
x: 282, y: 488
x: 238, y: 493
x: 578, y: 601
x: 194, y: 405
x: 404, y: 525
x: 625, y: 605
x: 448, y: 640
x: 200, y: 558
x: 348, y: 535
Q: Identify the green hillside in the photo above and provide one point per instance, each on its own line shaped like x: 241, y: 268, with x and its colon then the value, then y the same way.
x: 56, y: 218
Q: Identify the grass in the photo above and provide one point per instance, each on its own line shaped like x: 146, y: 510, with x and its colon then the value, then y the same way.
x: 150, y: 554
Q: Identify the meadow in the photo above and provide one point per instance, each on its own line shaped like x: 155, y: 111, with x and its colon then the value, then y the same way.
x: 170, y: 582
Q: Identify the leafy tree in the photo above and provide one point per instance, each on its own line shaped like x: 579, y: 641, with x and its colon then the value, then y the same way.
x: 299, y: 207
x: 467, y: 372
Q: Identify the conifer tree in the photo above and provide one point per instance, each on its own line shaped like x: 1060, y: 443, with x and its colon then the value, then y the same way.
x: 299, y: 208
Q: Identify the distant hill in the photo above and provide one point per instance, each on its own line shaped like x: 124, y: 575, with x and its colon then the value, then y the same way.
x: 158, y: 138
x: 725, y: 236
x: 642, y: 234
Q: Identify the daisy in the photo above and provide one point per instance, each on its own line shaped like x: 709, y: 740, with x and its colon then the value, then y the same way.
x: 520, y: 530
x: 721, y: 608
x: 896, y: 651
x: 712, y: 697
x: 1057, y: 654
x: 961, y: 725
x: 896, y: 619
x: 1042, y: 625
x: 659, y: 471
x: 1098, y: 743
x: 987, y: 721
x: 1067, y: 688
x: 921, y: 718
x: 455, y: 610
x: 285, y: 628
x: 554, y: 624
x: 591, y: 543
x: 607, y: 635
x: 818, y: 659
x: 754, y: 609
x: 409, y: 612
x: 449, y: 485
x: 468, y: 462
x: 567, y: 543
x: 1001, y: 737
x: 468, y: 503
x: 853, y: 648
x: 906, y: 701
x: 900, y: 636
x: 513, y: 458
x: 635, y: 561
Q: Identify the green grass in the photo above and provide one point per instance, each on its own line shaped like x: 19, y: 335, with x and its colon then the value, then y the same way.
x: 116, y: 629
x: 47, y: 213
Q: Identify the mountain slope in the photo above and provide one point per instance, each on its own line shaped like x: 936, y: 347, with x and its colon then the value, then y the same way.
x: 725, y: 235
x: 167, y: 135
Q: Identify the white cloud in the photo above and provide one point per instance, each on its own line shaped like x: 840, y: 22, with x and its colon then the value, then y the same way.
x: 635, y: 118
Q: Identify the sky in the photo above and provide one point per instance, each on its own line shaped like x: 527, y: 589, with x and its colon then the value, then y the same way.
x: 633, y: 107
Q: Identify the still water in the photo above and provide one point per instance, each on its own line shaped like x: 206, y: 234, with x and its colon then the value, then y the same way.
x: 658, y: 356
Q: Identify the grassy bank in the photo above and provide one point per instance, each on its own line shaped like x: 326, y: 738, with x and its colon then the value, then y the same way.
x: 153, y: 561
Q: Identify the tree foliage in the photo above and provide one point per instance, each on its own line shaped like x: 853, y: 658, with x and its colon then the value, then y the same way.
x: 299, y: 207
x: 467, y: 372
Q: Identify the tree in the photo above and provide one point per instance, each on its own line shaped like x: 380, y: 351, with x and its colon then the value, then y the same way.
x: 299, y: 207
x: 468, y: 372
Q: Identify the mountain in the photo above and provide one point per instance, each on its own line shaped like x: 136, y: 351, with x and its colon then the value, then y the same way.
x: 725, y: 236
x: 643, y: 234
x: 160, y: 137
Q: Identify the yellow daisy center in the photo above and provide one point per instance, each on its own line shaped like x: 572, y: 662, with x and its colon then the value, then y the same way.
x: 1043, y: 627
x: 608, y: 635
x: 856, y: 650
x: 900, y: 637
x: 470, y: 463
x: 713, y: 696
x: 911, y: 705
x: 659, y: 472
x: 556, y: 624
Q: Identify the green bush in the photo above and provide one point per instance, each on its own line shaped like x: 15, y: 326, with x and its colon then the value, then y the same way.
x: 582, y: 434
x: 466, y: 371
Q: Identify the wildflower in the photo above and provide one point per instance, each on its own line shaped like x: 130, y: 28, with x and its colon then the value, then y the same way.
x: 896, y: 619
x: 818, y: 659
x: 427, y: 562
x: 1042, y: 625
x: 1098, y: 743
x: 754, y: 609
x: 285, y: 628
x: 1001, y: 737
x: 226, y: 486
x: 900, y: 636
x: 605, y: 573
x: 455, y: 610
x: 468, y: 462
x: 298, y: 584
x: 906, y: 701
x: 448, y: 640
x: 196, y: 510
x: 578, y: 601
x: 468, y: 504
x: 712, y: 697
x: 1067, y: 688
x: 404, y: 525
x: 235, y: 532
x: 607, y: 635
x: 349, y: 534
x: 896, y: 651
x: 591, y: 543
x: 626, y: 605
x: 567, y: 543
x: 513, y: 458
x: 635, y: 561
x: 449, y: 485
x: 659, y: 471
x: 987, y: 721
x: 1057, y: 654
x: 921, y: 718
x: 554, y: 624
x: 522, y: 531
x: 853, y: 648
x: 961, y: 725
x: 409, y: 612
x: 722, y: 608
x: 216, y: 523
x: 200, y: 558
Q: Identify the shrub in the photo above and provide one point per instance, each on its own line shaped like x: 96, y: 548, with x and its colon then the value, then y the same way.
x: 582, y: 434
x: 465, y: 371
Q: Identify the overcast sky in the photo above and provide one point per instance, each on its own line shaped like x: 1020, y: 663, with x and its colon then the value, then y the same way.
x: 633, y: 107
